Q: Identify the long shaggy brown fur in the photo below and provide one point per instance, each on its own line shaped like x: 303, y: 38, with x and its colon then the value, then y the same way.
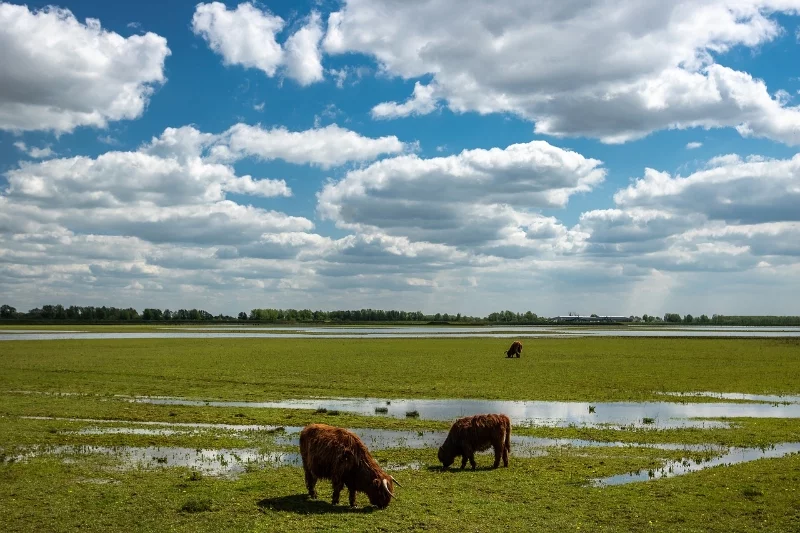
x: 337, y: 454
x: 516, y: 349
x: 475, y: 434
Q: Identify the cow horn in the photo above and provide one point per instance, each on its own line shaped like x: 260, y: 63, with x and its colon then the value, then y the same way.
x: 386, y: 487
x: 395, y: 481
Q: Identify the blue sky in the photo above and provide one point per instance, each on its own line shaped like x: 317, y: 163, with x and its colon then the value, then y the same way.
x: 442, y: 156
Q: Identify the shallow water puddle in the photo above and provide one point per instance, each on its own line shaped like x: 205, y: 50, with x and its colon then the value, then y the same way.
x: 235, y: 461
x: 766, y: 398
x: 374, y: 439
x: 677, y: 468
x: 230, y: 462
x: 658, y: 415
x: 311, y: 332
x: 207, y: 461
x: 187, y: 425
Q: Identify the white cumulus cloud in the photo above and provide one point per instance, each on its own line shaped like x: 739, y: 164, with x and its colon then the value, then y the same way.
x: 326, y: 147
x: 482, y: 200
x: 303, y: 56
x: 57, y: 73
x: 613, y: 70
x: 242, y: 36
x: 422, y: 102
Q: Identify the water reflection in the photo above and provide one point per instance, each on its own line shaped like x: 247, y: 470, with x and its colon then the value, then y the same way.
x: 228, y: 462
x: 768, y: 398
x: 395, y: 332
x: 529, y: 413
x: 684, y: 466
x: 375, y: 439
x: 207, y: 461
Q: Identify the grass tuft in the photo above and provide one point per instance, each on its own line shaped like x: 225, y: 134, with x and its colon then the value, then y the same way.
x: 197, y: 505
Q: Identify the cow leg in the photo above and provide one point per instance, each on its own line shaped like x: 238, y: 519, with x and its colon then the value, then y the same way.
x: 311, y: 483
x: 337, y: 490
x: 498, y: 451
x: 472, y: 459
x: 463, y: 461
x: 505, y: 455
x: 352, y: 495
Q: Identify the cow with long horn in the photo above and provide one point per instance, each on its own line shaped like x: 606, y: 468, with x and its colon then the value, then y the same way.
x: 337, y: 454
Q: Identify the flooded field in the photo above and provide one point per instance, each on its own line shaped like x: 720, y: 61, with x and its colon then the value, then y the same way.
x: 234, y: 461
x: 402, y: 332
x: 209, y: 429
x: 684, y: 466
x: 217, y: 462
x: 527, y: 413
x: 767, y: 398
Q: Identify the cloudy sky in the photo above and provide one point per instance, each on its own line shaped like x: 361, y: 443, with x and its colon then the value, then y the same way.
x: 606, y: 156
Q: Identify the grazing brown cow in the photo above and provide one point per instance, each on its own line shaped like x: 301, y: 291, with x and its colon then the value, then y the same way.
x: 475, y: 434
x: 516, y: 349
x: 339, y: 455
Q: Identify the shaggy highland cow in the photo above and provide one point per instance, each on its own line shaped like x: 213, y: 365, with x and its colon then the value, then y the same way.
x: 475, y: 434
x: 339, y: 455
x: 516, y: 349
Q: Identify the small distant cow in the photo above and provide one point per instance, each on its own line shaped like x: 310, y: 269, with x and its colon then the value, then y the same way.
x: 337, y: 454
x: 516, y: 349
x: 475, y: 434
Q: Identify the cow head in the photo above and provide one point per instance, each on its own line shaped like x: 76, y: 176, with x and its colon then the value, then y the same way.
x: 446, y: 455
x: 381, y: 492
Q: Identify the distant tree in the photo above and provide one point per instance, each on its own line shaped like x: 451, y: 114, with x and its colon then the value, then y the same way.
x: 242, y: 316
x: 152, y: 314
x: 672, y: 317
x: 704, y: 319
x: 688, y: 319
x: 6, y: 311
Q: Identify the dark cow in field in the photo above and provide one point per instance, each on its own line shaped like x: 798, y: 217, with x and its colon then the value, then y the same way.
x: 475, y: 434
x: 337, y: 454
x: 516, y: 349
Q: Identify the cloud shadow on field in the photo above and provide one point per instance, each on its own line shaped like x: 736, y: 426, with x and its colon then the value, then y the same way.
x: 302, y: 504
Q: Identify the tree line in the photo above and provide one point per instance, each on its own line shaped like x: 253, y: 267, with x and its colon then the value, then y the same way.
x: 75, y: 313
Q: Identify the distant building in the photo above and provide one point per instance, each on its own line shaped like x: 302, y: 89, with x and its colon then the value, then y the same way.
x: 592, y: 318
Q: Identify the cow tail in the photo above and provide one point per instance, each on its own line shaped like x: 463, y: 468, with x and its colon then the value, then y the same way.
x: 507, y: 443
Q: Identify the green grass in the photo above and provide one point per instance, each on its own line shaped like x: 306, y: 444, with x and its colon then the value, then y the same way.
x: 542, y: 494
x: 593, y: 369
x: 549, y: 493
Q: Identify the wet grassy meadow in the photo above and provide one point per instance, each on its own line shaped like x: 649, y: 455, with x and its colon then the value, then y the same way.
x: 136, y: 434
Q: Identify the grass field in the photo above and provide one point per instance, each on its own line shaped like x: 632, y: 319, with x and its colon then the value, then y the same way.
x: 542, y: 493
